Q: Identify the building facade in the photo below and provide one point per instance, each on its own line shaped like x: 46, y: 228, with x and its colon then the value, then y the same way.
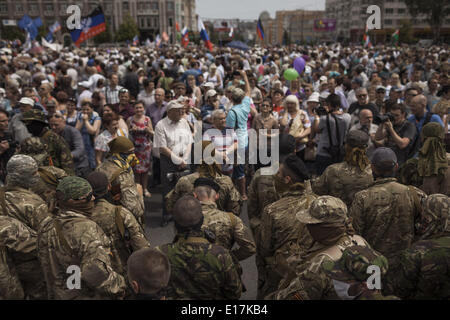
x: 152, y: 16
x: 298, y: 25
x: 351, y: 17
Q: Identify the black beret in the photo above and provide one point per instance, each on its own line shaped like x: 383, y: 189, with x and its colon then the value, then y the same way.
x: 205, y: 182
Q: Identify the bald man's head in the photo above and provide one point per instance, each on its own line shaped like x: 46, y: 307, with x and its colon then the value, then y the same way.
x: 366, y: 117
x: 187, y: 213
x: 148, y: 271
x: 419, y: 105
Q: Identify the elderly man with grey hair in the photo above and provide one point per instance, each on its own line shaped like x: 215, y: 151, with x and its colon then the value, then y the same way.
x: 224, y: 139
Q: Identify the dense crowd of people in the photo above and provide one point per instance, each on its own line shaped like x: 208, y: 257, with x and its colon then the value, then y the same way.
x: 363, y: 177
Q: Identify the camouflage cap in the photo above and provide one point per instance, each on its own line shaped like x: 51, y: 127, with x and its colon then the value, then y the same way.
x: 354, y: 263
x: 437, y: 207
x: 34, y: 148
x: 325, y: 209
x: 357, y: 138
x: 74, y: 188
x: 21, y: 166
x: 34, y: 115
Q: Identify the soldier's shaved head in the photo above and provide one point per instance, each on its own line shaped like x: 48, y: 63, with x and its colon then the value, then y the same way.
x: 205, y: 193
x: 187, y: 212
x: 148, y: 271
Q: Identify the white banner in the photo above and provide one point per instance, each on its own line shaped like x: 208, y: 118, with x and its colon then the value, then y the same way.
x: 9, y: 22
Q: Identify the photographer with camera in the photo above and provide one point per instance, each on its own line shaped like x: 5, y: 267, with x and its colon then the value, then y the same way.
x: 396, y: 133
x: 333, y: 128
x: 7, y: 145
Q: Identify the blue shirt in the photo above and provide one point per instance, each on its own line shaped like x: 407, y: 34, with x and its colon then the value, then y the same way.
x: 241, y: 111
x: 419, y: 124
x: 207, y: 111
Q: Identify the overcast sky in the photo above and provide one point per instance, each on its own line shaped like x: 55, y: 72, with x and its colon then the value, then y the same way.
x: 250, y: 9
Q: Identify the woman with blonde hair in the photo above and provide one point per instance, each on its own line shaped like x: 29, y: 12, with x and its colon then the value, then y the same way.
x: 214, y: 77
x: 296, y: 123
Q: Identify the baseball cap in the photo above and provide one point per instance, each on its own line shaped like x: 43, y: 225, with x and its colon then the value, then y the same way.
x: 379, y: 88
x: 27, y: 101
x: 314, y: 97
x: 323, y: 79
x: 174, y: 105
x: 210, y: 93
x: 384, y: 158
x: 208, y: 85
x: 357, y: 138
x: 358, y: 80
x: 325, y: 209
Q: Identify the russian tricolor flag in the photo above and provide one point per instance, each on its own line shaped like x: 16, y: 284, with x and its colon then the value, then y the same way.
x: 204, y: 35
x: 91, y: 26
x: 185, y: 37
x: 260, y: 30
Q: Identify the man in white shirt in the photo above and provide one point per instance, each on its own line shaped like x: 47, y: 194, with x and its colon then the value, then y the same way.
x: 174, y: 139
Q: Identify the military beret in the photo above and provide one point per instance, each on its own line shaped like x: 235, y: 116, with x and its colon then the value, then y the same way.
x: 297, y: 166
x: 384, y: 158
x: 325, y: 209
x: 34, y: 115
x: 120, y: 144
x: 74, y: 188
x: 99, y: 182
x: 205, y: 182
x: 354, y: 263
x: 357, y: 138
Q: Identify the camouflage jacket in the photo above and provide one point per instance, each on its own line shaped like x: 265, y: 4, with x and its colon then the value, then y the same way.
x: 282, y: 235
x: 311, y: 282
x: 46, y: 187
x: 422, y: 271
x: 130, y: 197
x: 71, y: 239
x: 201, y: 271
x: 15, y: 237
x: 133, y: 239
x: 342, y: 181
x: 229, y: 197
x: 261, y: 193
x: 59, y: 150
x: 29, y: 209
x: 229, y: 230
x: 385, y: 215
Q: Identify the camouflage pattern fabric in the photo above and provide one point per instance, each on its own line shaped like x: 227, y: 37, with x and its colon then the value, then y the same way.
x: 385, y: 215
x: 34, y: 148
x: 422, y: 271
x: 229, y: 197
x: 34, y: 115
x: 15, y: 237
x: 46, y: 186
x: 323, y: 209
x: 201, y: 270
x: 74, y: 188
x: 80, y: 242
x: 342, y: 181
x: 104, y: 215
x: 229, y: 230
x: 282, y: 236
x: 58, y: 150
x: 130, y: 197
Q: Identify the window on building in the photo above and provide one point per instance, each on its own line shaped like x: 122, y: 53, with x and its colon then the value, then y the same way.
x: 154, y: 5
x: 388, y: 22
x: 3, y: 8
x: 149, y: 22
x: 33, y: 7
x: 170, y: 6
x: 389, y: 10
x: 401, y: 11
x: 49, y: 7
x: 19, y: 8
x: 156, y: 22
x: 125, y: 6
x: 170, y: 22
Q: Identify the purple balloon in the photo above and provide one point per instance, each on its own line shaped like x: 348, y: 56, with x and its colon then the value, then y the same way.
x: 299, y: 64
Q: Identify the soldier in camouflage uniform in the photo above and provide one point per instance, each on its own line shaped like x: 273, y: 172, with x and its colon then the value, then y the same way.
x: 423, y: 270
x: 117, y: 222
x: 50, y: 175
x: 57, y: 147
x: 281, y: 234
x: 343, y: 180
x: 118, y: 167
x: 227, y: 228
x: 385, y: 213
x: 200, y: 270
x: 229, y: 198
x: 72, y: 239
x: 19, y: 202
x: 15, y: 238
x: 329, y: 226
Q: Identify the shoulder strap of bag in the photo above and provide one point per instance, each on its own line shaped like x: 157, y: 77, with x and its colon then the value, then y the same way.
x: 338, y: 134
x: 236, y: 123
x: 329, y: 130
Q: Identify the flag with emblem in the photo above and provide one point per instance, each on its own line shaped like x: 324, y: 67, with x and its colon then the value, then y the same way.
x: 91, y: 26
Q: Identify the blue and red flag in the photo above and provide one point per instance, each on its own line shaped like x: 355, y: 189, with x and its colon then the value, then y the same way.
x: 204, y: 35
x: 136, y: 41
x: 260, y: 30
x: 185, y: 37
x: 91, y: 26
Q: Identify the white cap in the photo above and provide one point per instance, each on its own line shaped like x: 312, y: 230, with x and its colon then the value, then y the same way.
x: 314, y: 97
x: 174, y: 104
x: 27, y: 101
x: 324, y: 95
x: 323, y: 79
x: 210, y: 93
x: 209, y: 85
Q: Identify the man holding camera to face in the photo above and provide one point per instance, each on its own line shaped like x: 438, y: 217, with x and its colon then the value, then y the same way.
x: 396, y: 133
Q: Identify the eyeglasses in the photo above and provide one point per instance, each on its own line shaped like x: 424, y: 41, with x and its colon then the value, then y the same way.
x: 362, y: 96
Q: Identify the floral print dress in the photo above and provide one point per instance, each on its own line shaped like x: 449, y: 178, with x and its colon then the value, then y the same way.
x: 142, y: 144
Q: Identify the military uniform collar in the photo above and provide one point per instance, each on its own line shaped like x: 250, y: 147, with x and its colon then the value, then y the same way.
x: 70, y: 214
x: 383, y: 181
x: 292, y: 193
x: 17, y: 188
x: 208, y: 205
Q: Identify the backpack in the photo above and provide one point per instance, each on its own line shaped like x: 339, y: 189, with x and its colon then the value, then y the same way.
x: 417, y: 144
x: 337, y: 152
